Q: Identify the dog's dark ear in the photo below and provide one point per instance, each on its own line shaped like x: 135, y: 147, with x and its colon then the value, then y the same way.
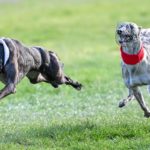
x: 131, y: 26
x: 140, y: 27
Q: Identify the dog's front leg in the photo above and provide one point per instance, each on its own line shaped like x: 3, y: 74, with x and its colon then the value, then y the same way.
x: 130, y: 97
x: 11, y: 73
x: 8, y: 89
x: 139, y: 97
x: 11, y: 81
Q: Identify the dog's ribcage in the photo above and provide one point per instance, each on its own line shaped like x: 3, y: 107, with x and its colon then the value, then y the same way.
x: 139, y: 74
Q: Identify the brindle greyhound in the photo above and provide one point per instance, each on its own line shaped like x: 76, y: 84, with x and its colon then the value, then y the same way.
x: 39, y: 65
x: 135, y: 52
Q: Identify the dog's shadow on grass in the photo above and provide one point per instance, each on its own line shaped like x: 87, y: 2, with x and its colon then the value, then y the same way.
x: 79, y: 132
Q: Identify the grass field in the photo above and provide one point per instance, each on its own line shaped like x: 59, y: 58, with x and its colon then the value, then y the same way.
x: 81, y: 32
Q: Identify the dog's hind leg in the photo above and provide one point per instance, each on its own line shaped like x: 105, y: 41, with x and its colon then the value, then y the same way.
x: 130, y: 97
x: 36, y: 77
x: 56, y: 75
x: 139, y: 97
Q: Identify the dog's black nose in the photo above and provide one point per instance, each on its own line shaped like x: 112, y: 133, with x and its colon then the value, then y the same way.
x: 119, y: 32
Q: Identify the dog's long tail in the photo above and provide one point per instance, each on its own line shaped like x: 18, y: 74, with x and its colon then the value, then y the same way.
x: 74, y: 84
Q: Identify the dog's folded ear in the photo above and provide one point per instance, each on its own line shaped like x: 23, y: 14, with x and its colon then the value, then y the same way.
x: 140, y: 27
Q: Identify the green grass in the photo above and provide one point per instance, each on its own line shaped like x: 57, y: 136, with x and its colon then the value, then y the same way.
x: 81, y: 32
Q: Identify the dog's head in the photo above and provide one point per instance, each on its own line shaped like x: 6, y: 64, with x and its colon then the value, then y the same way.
x: 127, y: 32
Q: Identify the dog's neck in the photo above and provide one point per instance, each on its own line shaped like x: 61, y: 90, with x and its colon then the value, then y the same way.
x: 132, y: 54
x: 132, y: 48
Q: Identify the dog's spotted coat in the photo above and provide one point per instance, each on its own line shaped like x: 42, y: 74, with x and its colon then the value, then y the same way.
x: 131, y: 38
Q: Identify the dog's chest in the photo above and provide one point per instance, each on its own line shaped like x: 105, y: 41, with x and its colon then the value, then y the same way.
x: 138, y: 74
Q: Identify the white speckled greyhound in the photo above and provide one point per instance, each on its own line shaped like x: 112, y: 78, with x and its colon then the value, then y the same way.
x: 135, y: 53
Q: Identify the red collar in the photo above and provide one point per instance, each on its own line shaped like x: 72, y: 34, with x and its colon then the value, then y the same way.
x: 132, y: 59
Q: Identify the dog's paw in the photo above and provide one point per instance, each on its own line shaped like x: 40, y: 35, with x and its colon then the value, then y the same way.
x: 78, y: 86
x: 122, y: 103
x: 147, y: 114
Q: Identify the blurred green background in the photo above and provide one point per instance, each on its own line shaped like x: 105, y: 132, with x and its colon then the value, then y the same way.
x: 82, y: 33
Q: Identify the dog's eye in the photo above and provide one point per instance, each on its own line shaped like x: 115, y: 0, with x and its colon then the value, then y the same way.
x: 128, y: 36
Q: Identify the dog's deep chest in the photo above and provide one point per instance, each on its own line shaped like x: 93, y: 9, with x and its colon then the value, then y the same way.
x: 138, y: 74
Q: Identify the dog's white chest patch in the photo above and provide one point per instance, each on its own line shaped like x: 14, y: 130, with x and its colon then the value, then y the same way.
x: 6, y: 51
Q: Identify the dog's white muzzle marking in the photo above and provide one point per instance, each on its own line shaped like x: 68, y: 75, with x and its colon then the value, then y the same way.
x: 6, y: 51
